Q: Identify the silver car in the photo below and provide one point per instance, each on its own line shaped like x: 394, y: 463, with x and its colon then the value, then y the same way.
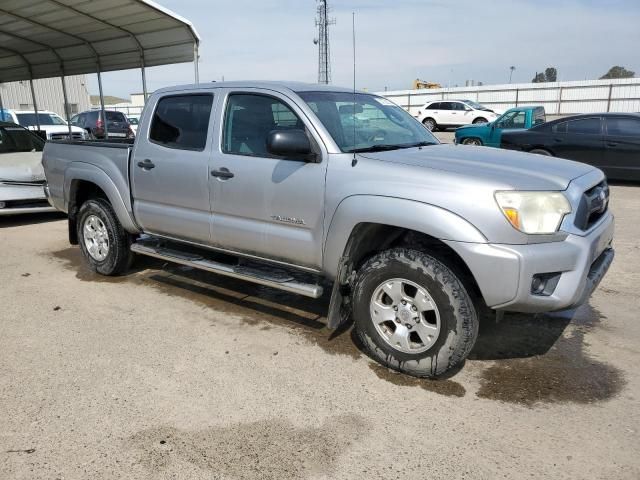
x: 21, y: 173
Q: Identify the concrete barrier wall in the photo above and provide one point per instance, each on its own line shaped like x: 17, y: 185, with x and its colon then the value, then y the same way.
x: 558, y: 98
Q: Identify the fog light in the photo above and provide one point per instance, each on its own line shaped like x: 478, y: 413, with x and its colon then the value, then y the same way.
x: 544, y: 284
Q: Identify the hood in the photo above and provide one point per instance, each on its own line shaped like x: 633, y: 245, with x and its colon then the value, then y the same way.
x: 21, y: 167
x: 475, y: 125
x: 498, y: 168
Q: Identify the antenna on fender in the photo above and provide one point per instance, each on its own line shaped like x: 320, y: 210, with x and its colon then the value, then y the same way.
x: 354, y: 161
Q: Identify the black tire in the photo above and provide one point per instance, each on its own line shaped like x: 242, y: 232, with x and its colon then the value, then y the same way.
x: 472, y: 141
x: 541, y: 151
x: 458, y: 315
x: 430, y: 124
x: 119, y: 256
x: 479, y: 120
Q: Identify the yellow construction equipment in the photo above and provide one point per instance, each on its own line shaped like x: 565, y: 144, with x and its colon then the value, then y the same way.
x: 420, y: 84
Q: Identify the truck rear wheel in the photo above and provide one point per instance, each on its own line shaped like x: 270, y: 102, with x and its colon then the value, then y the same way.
x: 413, y: 314
x: 104, y: 243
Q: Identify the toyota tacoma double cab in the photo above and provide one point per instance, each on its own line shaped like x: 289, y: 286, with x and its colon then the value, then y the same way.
x: 275, y: 183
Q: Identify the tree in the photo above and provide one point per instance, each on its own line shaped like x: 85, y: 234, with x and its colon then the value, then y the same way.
x: 539, y: 78
x: 618, y: 72
x: 551, y: 73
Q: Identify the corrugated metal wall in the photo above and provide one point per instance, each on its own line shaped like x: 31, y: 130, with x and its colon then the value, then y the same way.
x: 589, y: 96
x: 17, y: 95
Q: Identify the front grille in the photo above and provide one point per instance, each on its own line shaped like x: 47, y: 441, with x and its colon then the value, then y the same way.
x: 594, y: 204
x: 65, y: 136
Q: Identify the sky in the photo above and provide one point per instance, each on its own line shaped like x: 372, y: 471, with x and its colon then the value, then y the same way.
x: 397, y: 41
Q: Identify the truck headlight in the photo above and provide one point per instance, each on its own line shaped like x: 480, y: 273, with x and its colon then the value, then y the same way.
x: 534, y: 212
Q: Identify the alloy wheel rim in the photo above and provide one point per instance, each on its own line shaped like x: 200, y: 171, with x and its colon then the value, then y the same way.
x: 96, y: 238
x: 405, y: 315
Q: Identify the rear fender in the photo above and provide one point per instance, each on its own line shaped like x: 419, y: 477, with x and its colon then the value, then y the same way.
x: 90, y: 173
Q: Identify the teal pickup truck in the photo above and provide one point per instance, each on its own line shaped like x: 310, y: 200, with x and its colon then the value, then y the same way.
x: 489, y: 134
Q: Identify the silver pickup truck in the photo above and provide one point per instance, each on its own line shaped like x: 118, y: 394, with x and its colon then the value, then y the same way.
x: 301, y: 187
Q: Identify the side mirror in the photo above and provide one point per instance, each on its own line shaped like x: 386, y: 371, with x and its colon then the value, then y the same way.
x: 289, y: 143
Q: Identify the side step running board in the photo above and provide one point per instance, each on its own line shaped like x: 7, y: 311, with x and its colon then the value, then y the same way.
x: 262, y: 275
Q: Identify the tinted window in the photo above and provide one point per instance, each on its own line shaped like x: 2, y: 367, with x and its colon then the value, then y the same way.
x: 434, y: 106
x: 624, y: 127
x: 459, y: 106
x: 250, y: 118
x: 182, y: 121
x: 115, y: 117
x: 584, y: 126
x: 16, y: 139
x: 446, y: 106
x: 560, y: 127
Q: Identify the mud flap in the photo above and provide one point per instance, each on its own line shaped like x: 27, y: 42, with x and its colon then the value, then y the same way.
x: 340, y: 303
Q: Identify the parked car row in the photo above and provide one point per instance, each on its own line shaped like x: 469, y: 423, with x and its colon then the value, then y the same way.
x: 609, y: 141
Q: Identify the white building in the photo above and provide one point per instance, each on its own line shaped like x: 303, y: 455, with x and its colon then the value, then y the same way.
x: 17, y: 95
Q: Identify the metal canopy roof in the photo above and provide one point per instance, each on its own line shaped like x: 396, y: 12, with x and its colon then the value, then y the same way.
x: 52, y: 38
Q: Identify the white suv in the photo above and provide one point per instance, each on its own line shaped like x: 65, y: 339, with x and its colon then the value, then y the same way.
x: 53, y: 124
x: 454, y: 113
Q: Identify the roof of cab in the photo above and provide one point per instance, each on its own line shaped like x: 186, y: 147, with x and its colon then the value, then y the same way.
x: 269, y: 85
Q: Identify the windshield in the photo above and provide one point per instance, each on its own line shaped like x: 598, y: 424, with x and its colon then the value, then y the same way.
x: 29, y: 119
x: 475, y: 105
x: 371, y: 123
x: 17, y: 139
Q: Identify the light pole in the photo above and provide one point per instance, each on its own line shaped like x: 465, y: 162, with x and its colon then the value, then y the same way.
x: 511, y: 68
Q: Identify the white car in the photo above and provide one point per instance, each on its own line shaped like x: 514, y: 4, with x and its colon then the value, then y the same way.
x: 52, y: 123
x: 21, y: 173
x: 134, y: 120
x: 454, y: 113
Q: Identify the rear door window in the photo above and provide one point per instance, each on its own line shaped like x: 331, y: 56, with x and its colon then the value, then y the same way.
x: 434, y: 106
x: 623, y: 127
x: 585, y: 126
x: 182, y: 121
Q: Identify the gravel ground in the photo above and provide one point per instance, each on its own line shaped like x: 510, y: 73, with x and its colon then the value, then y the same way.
x: 171, y: 373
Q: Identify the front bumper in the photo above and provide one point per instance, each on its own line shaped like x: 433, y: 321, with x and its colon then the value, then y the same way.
x: 504, y: 273
x: 20, y: 199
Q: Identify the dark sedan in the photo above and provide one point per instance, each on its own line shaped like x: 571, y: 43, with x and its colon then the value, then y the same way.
x: 609, y: 141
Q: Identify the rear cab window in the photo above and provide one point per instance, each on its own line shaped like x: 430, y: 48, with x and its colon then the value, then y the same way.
x: 182, y: 121
x: 17, y: 139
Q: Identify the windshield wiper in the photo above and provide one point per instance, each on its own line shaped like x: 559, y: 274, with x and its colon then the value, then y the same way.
x: 374, y: 148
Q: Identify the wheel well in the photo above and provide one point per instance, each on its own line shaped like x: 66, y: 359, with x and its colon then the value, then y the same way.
x: 541, y: 148
x: 368, y: 239
x: 429, y: 118
x: 80, y: 192
x: 472, y: 138
x: 480, y: 119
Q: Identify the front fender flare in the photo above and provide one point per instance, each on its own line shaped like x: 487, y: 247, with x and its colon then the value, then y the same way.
x: 398, y: 212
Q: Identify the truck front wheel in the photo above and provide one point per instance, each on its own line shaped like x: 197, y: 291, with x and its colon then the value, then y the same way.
x: 413, y: 314
x: 104, y: 243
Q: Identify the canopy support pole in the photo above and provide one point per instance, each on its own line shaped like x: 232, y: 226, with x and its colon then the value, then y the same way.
x: 35, y: 103
x: 144, y: 79
x: 102, y: 113
x: 1, y: 105
x: 196, y: 59
x: 67, y: 115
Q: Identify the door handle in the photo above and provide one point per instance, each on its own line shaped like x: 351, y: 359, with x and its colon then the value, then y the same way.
x: 146, y: 165
x: 612, y: 144
x: 557, y: 140
x: 223, y: 173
